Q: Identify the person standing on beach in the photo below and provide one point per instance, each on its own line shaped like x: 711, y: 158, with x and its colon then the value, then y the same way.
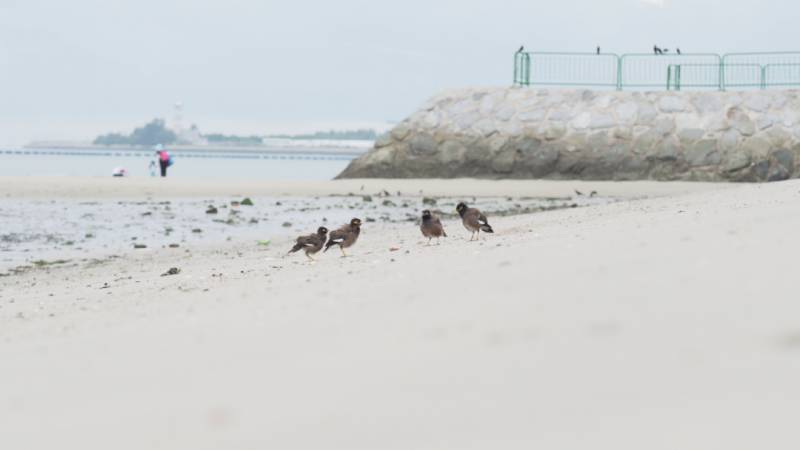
x: 163, y: 159
x: 152, y: 168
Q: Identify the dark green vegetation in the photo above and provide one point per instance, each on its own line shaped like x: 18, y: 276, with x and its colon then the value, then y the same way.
x: 155, y: 132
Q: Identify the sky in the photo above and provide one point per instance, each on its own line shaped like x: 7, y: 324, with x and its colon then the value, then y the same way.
x: 74, y: 69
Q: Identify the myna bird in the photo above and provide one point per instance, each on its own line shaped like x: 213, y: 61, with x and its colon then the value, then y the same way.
x: 657, y: 50
x: 345, y: 236
x: 473, y: 220
x: 521, y: 49
x: 312, y: 243
x: 431, y: 227
x: 598, y: 49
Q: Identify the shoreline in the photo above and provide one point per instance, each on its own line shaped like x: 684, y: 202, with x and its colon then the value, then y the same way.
x: 143, y: 187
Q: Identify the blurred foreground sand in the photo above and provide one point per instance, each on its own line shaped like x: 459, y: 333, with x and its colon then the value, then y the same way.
x: 660, y: 323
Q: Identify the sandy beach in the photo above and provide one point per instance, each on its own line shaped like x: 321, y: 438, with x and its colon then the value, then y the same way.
x: 665, y: 319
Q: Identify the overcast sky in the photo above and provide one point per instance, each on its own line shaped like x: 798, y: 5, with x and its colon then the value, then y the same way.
x: 73, y: 68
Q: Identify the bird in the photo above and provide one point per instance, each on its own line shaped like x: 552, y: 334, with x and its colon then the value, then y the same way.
x: 577, y: 192
x: 473, y: 220
x: 598, y: 49
x: 665, y: 50
x: 345, y: 236
x: 657, y: 50
x: 431, y: 227
x: 521, y: 49
x: 312, y: 243
x: 678, y: 51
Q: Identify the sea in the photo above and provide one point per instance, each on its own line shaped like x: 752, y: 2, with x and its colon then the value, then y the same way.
x: 309, y: 163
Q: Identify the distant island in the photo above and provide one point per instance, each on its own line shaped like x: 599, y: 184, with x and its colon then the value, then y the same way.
x: 346, y: 135
x: 157, y: 132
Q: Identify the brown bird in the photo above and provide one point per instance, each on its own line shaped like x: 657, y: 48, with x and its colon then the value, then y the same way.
x: 473, y: 220
x: 431, y: 227
x: 312, y: 243
x: 345, y: 236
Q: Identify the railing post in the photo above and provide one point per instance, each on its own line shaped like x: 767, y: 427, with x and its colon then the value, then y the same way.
x: 722, y: 73
x: 669, y: 75
x: 516, y: 69
x: 764, y: 76
x: 619, y: 72
x: 527, y: 66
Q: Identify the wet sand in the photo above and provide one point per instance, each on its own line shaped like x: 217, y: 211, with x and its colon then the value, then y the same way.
x: 665, y: 322
x: 144, y: 187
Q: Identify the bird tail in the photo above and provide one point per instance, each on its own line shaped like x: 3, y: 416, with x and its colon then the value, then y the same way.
x: 296, y: 248
x: 486, y: 228
x: 329, y: 244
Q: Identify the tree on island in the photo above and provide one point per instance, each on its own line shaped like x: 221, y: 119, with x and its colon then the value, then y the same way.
x: 155, y: 132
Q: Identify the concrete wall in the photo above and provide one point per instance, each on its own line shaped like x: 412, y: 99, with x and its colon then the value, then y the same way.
x: 528, y: 133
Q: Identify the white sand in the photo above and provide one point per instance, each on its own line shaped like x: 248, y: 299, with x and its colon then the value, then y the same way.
x: 667, y: 323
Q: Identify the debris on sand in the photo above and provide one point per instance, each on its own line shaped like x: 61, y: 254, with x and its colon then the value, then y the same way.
x: 139, y: 246
x: 366, y: 198
x: 286, y: 224
x: 428, y: 201
x: 174, y: 245
x: 263, y: 242
x: 246, y: 202
x: 211, y: 210
x: 197, y: 230
x: 171, y: 271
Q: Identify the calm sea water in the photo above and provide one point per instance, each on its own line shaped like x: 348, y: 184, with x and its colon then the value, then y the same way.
x: 264, y: 167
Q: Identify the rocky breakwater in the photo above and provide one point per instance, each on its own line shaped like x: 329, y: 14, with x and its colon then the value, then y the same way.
x: 562, y: 134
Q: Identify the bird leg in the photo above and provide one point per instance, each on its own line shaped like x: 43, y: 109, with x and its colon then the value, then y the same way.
x: 344, y: 255
x: 429, y: 242
x: 310, y: 258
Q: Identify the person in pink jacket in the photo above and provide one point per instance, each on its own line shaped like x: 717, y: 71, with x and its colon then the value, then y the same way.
x: 164, y: 159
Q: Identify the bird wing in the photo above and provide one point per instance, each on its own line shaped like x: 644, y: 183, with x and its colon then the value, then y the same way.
x: 307, y: 241
x: 337, y: 235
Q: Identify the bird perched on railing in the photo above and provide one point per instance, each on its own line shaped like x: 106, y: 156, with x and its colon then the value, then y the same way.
x: 657, y: 50
x: 521, y: 49
x: 598, y: 49
x: 678, y: 51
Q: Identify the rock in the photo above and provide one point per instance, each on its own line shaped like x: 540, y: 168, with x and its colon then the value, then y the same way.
x: 741, y: 122
x: 366, y: 198
x: 247, y: 202
x: 286, y: 224
x: 700, y: 153
x: 171, y: 271
x: 627, y: 112
x: 197, y: 230
x: 400, y: 131
x: 429, y: 201
x: 601, y: 121
x: 671, y: 104
x: 729, y: 141
x: 735, y: 161
x: 211, y: 210
x: 784, y: 158
x: 174, y: 245
x: 529, y: 133
x: 139, y: 246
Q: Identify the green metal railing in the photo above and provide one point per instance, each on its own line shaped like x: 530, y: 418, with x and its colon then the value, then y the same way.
x: 650, y: 71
